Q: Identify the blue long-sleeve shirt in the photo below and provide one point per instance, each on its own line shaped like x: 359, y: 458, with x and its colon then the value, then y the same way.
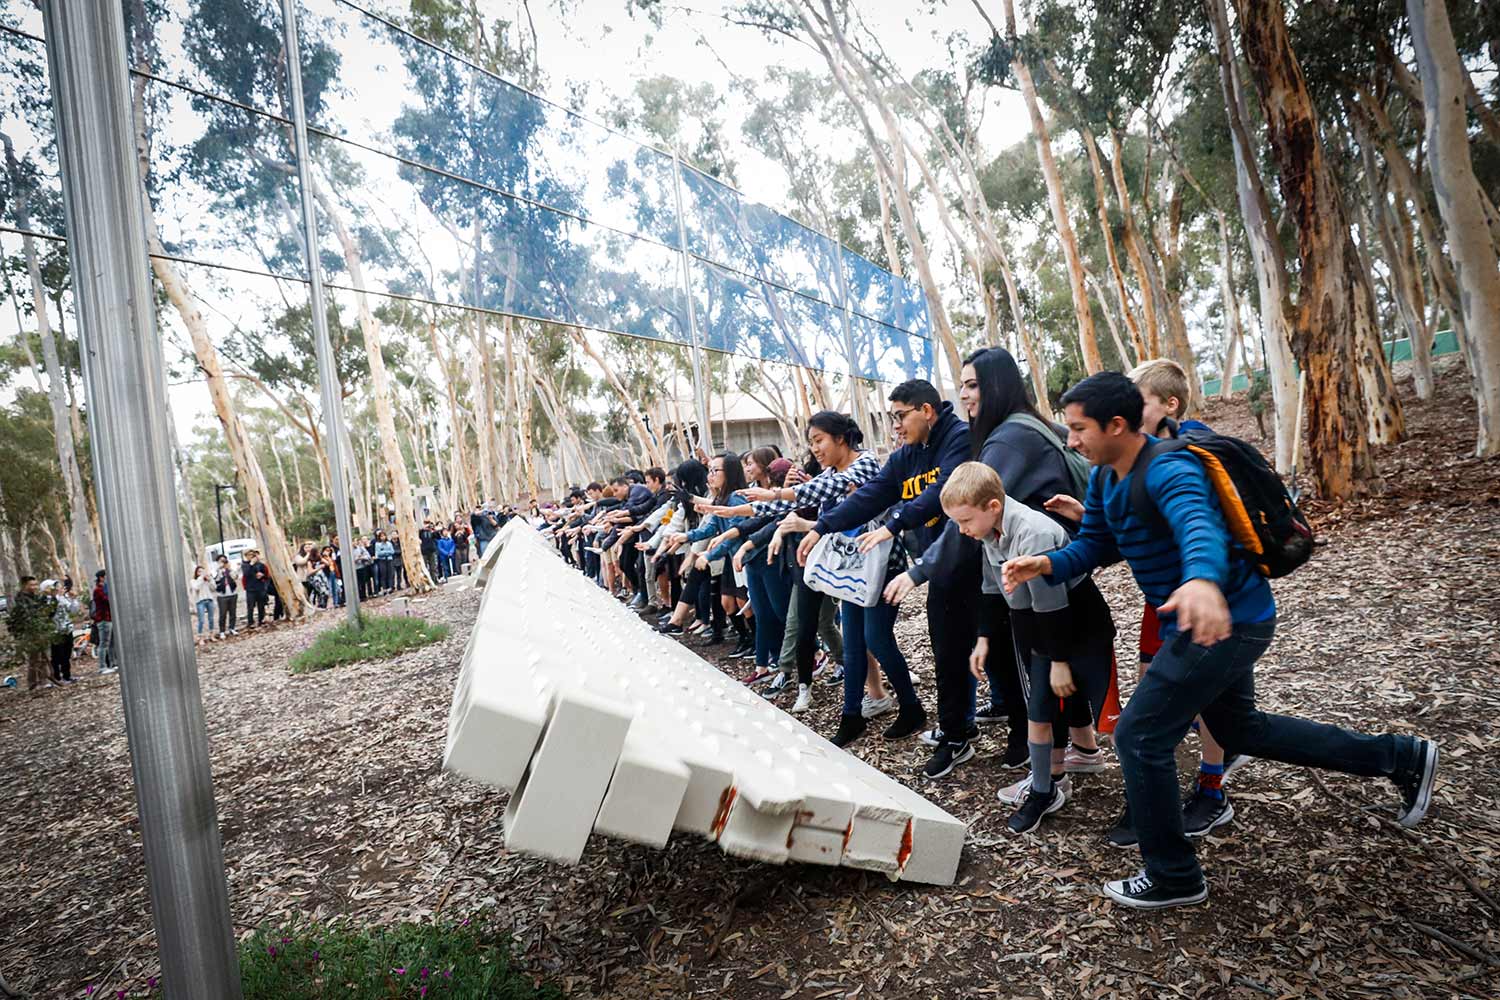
x: 1194, y: 544
x: 445, y: 547
x: 912, y: 479
x: 717, y: 524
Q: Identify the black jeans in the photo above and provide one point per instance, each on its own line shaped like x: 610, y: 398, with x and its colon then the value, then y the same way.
x: 363, y: 576
x: 1218, y: 682
x: 62, y: 658
x: 953, y: 625
x: 255, y: 607
x: 809, y: 607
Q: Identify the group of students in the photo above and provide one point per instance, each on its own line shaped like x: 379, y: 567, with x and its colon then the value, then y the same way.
x: 1004, y: 517
x: 40, y: 623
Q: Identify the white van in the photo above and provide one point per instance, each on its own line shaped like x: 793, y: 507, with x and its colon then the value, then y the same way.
x: 232, y: 548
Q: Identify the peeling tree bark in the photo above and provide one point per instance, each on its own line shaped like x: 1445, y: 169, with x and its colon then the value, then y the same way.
x: 1334, y: 314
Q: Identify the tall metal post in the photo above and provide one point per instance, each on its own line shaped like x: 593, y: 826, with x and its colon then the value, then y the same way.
x: 700, y: 383
x: 333, y: 405
x: 132, y: 455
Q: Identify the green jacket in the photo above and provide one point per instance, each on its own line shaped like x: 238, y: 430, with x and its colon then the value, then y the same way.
x: 30, y: 622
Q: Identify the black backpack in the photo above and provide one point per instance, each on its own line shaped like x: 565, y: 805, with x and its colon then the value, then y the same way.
x: 1262, y: 518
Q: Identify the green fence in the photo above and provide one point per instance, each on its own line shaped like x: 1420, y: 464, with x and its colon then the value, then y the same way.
x: 1444, y: 343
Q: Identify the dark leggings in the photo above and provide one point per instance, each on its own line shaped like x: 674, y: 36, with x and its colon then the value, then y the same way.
x: 62, y: 658
x: 809, y: 606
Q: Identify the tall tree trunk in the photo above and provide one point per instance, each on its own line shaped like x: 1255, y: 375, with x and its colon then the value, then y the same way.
x: 1231, y: 306
x: 1122, y: 294
x: 1170, y: 252
x: 297, y: 478
x: 359, y: 486
x: 380, y: 393
x: 1272, y: 280
x: 83, y: 557
x: 286, y: 499
x: 642, y: 435
x: 1459, y: 202
x: 1135, y: 248
x: 458, y: 444
x: 1121, y: 351
x: 1333, y: 301
x: 1056, y: 200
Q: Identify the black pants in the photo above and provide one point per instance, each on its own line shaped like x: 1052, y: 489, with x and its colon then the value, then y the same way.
x: 255, y: 608
x: 1003, y: 669
x: 809, y: 608
x: 952, y: 626
x: 62, y: 658
x: 362, y: 578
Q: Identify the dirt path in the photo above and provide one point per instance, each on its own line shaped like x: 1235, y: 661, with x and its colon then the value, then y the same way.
x: 331, y: 800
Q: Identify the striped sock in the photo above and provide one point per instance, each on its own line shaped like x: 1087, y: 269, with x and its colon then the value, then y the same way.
x: 1211, y: 779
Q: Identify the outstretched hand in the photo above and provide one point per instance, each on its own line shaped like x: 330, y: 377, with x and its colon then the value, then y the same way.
x: 1023, y: 568
x: 870, y: 539
x: 1065, y: 506
x: 805, y: 548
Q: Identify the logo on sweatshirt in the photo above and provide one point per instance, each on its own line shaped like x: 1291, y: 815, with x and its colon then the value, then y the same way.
x: 913, y: 486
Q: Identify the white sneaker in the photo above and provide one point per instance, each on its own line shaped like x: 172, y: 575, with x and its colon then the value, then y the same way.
x: 1016, y: 794
x: 1076, y: 762
x: 804, y: 699
x: 932, y: 737
x: 109, y: 670
x: 874, y: 708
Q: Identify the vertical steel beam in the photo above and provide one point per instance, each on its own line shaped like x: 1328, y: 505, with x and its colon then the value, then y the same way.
x: 328, y: 389
x: 126, y: 386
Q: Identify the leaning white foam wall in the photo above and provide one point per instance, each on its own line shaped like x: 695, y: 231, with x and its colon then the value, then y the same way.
x: 596, y: 723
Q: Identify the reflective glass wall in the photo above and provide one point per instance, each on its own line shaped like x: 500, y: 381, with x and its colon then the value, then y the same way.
x: 445, y: 191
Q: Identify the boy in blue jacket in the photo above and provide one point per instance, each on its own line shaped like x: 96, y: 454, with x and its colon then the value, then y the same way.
x: 934, y: 442
x: 1218, y: 617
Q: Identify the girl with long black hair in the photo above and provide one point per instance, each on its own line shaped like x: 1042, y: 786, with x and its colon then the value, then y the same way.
x: 726, y: 478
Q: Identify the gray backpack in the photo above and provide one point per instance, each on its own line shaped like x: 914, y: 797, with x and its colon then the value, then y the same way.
x: 1078, y: 466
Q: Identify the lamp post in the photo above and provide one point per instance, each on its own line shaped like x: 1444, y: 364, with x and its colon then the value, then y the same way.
x: 219, y: 489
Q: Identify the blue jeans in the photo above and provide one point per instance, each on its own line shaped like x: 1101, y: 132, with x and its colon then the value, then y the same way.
x: 1218, y: 682
x: 480, y: 543
x: 873, y: 629
x: 770, y: 590
x: 205, y: 613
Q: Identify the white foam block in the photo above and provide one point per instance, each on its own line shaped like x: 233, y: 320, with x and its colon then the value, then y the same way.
x: 645, y: 792
x: 553, y: 810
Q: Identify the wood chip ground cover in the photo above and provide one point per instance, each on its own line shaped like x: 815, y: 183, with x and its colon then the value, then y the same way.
x: 332, y: 801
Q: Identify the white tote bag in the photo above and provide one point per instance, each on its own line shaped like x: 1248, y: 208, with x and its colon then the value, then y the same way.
x: 837, y: 568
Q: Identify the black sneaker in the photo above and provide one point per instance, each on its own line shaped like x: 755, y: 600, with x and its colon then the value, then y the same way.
x: 834, y: 676
x: 1017, y: 749
x: 670, y: 629
x: 910, y: 719
x: 744, y: 649
x: 851, y: 728
x: 948, y: 756
x: 1415, y: 783
x: 1202, y: 812
x: 991, y: 714
x: 1141, y: 893
x: 1034, y: 807
x: 1122, y: 834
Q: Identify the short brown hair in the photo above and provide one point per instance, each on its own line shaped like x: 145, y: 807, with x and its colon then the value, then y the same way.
x: 972, y: 484
x: 1162, y: 378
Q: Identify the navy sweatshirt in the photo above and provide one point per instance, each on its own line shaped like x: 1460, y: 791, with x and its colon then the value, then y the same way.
x: 911, y: 480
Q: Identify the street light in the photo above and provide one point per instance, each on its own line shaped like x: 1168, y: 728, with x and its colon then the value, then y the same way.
x: 219, y: 511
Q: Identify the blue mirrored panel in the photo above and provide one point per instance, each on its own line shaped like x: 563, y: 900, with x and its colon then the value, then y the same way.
x: 417, y: 232
x: 733, y: 232
x: 454, y: 117
x: 885, y: 298
x: 31, y: 197
x: 887, y: 354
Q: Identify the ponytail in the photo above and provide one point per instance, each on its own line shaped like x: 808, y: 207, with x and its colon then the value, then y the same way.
x: 837, y: 425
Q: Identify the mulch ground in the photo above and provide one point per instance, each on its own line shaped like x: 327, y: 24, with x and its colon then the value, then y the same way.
x: 332, y: 801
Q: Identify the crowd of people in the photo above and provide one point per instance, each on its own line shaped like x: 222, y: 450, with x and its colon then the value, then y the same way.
x: 1004, y: 516
x: 42, y: 622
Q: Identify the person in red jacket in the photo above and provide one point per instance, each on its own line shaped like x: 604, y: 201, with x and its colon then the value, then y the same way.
x: 104, y: 624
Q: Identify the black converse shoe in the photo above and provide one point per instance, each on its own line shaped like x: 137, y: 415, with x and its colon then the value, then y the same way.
x: 1122, y: 834
x: 993, y: 713
x: 947, y: 756
x: 1141, y: 893
x: 910, y: 719
x: 1035, y: 806
x: 851, y: 728
x: 1415, y: 783
x: 1202, y: 812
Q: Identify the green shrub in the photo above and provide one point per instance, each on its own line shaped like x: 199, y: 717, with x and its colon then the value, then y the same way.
x: 378, y: 637
x: 443, y: 961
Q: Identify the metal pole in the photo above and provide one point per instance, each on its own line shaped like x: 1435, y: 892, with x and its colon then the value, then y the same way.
x: 219, y: 513
x: 333, y: 406
x: 132, y: 455
x: 700, y: 392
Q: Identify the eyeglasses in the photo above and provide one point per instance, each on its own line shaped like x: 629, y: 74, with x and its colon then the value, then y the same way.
x: 899, y: 415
